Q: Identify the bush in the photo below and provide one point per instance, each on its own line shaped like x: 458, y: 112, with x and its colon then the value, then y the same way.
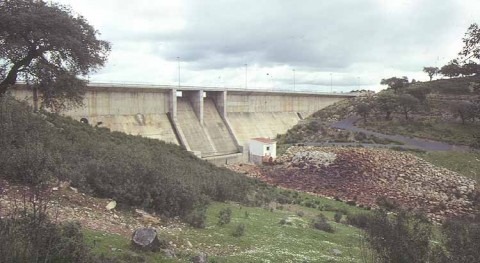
x: 358, y: 220
x: 338, y: 217
x: 320, y: 222
x: 36, y: 239
x: 387, y: 203
x: 401, y: 238
x: 224, y: 216
x: 462, y: 241
x: 239, y: 230
x: 198, y: 217
x: 300, y: 213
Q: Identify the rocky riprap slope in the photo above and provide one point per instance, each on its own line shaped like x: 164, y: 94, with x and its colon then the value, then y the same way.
x: 364, y: 175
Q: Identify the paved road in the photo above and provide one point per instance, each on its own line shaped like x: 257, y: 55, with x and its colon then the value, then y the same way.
x: 427, y: 145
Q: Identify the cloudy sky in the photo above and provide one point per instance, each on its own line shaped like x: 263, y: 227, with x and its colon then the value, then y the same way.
x: 323, y: 45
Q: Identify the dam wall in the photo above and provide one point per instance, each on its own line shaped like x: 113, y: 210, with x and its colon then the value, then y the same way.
x: 210, y: 122
x: 266, y: 114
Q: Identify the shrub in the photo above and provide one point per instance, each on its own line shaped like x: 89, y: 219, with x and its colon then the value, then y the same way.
x: 283, y: 221
x: 401, y: 238
x: 239, y: 230
x: 337, y: 217
x: 387, y: 203
x: 462, y: 241
x: 358, y: 220
x: 320, y: 222
x: 224, y: 216
x: 300, y: 213
x: 198, y: 217
x: 35, y: 239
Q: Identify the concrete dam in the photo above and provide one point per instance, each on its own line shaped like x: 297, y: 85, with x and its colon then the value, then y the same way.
x: 211, y: 122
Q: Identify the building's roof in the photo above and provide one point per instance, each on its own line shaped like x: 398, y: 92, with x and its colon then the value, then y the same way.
x: 263, y: 140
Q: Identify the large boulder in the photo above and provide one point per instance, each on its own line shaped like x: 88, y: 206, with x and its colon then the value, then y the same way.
x: 146, y: 239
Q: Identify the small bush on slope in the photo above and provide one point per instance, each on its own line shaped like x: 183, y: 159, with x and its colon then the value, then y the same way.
x: 30, y: 239
x: 135, y: 171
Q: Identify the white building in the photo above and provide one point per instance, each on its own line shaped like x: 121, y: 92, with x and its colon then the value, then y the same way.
x: 262, y: 150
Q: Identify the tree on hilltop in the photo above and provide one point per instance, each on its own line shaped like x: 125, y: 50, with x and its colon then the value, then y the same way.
x: 46, y: 45
x: 452, y: 69
x: 397, y: 84
x: 470, y: 68
x: 431, y: 71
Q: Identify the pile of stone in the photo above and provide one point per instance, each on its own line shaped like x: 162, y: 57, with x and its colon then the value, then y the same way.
x: 297, y: 157
x: 365, y: 175
x: 247, y: 169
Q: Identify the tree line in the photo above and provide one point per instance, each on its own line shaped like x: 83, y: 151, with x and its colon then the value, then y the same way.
x: 466, y: 64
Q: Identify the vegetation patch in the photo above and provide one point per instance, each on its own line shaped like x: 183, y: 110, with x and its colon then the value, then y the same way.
x: 135, y: 171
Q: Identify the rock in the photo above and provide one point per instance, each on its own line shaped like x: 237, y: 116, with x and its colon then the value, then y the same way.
x: 336, y: 252
x: 55, y: 189
x: 344, y: 172
x: 74, y: 189
x: 169, y: 253
x: 189, y: 244
x: 200, y: 258
x: 111, y: 205
x: 146, y: 218
x: 146, y: 239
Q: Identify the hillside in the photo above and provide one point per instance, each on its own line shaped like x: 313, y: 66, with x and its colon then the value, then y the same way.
x: 150, y: 174
x: 73, y: 171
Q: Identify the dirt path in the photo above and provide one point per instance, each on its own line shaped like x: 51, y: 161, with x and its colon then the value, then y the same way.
x: 423, y: 144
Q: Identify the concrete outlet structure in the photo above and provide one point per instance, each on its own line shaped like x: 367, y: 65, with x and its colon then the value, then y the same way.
x: 215, y: 124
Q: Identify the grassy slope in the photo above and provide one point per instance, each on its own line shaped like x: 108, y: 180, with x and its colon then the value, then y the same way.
x: 265, y: 240
x: 433, y: 124
x: 434, y: 129
x: 465, y: 163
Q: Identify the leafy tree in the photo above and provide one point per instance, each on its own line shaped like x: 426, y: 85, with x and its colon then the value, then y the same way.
x: 431, y: 71
x: 363, y: 109
x: 419, y: 92
x: 397, y: 84
x: 45, y: 44
x: 407, y: 104
x: 470, y: 68
x: 471, y: 41
x: 465, y: 110
x: 452, y: 69
x: 386, y: 103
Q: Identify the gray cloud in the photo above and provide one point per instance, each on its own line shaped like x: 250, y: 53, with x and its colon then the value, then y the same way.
x: 360, y: 41
x: 325, y: 36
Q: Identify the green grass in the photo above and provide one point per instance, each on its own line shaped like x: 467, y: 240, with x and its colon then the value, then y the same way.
x: 265, y: 239
x: 464, y: 163
x: 118, y: 247
x: 455, y: 133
